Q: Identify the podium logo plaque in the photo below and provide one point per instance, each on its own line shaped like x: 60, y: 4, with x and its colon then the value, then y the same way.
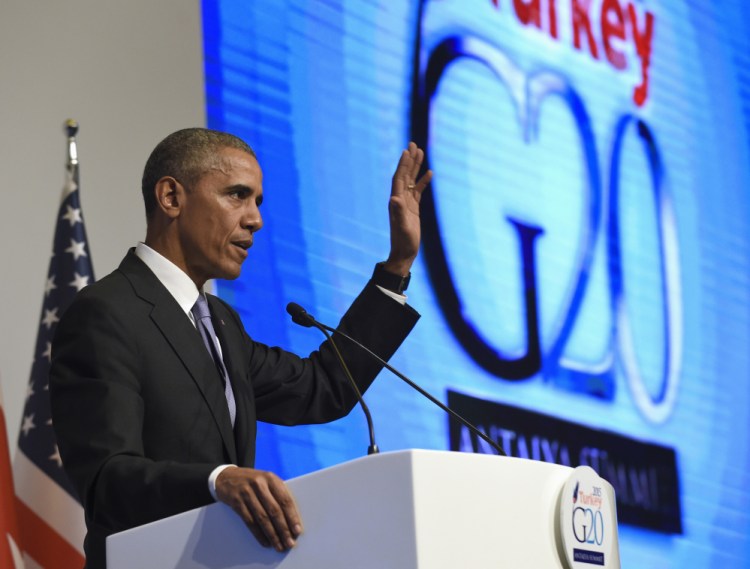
x: 588, y: 523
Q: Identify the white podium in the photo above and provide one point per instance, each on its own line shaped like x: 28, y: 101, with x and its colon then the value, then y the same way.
x: 403, y: 510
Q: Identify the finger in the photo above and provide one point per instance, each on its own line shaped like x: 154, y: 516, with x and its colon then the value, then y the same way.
x: 263, y: 513
x: 403, y: 168
x: 421, y: 184
x: 412, y: 150
x: 289, y: 507
x: 254, y: 528
x: 417, y: 157
x: 282, y: 512
x: 424, y: 181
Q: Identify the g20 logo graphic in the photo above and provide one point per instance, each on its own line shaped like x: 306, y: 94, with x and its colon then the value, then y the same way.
x: 588, y: 526
x: 529, y: 93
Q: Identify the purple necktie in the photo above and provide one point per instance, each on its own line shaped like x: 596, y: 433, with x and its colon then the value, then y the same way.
x: 206, y: 328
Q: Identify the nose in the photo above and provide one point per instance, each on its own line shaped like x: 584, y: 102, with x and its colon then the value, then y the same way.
x: 252, y: 219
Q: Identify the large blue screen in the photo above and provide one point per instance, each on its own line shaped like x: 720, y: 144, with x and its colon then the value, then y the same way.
x: 586, y: 248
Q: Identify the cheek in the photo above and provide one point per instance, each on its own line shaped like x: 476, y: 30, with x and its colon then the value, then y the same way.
x: 214, y: 232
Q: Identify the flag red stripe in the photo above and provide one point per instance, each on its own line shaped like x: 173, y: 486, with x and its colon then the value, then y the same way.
x: 44, y: 544
x: 8, y: 517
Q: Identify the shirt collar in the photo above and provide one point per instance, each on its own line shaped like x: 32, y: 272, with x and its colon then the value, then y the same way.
x: 174, y: 279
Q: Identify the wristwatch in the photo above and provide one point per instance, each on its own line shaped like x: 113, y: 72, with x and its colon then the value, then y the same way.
x: 388, y: 280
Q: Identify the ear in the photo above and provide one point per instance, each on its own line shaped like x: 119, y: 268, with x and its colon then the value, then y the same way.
x: 170, y: 196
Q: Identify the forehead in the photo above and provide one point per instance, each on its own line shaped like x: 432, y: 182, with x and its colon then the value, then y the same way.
x: 230, y: 167
x: 235, y: 161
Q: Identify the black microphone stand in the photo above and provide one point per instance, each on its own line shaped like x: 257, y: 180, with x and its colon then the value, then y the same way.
x: 303, y: 318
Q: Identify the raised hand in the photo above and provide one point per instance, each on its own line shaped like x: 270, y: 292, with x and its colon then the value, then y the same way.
x: 403, y: 210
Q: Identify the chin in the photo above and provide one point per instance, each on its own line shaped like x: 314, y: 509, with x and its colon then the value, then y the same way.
x: 231, y: 274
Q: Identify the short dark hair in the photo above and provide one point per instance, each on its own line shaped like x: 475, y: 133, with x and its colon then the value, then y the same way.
x: 186, y: 155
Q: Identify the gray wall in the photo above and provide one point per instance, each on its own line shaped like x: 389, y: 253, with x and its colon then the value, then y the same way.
x: 130, y: 73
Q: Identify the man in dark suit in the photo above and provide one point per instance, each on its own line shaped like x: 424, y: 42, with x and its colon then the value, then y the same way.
x: 155, y: 415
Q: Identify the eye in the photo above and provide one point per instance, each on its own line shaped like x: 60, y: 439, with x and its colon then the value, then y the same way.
x: 240, y: 193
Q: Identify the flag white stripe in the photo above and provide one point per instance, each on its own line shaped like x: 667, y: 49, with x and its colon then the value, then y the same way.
x: 29, y: 563
x: 48, y: 501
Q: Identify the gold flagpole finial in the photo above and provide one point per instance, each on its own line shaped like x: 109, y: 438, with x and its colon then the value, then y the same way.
x: 71, y: 127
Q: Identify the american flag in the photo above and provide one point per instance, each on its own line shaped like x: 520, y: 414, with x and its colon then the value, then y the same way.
x: 50, y: 513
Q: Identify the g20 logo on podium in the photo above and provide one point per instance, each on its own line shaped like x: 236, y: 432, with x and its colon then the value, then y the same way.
x: 587, y: 525
x: 435, y: 57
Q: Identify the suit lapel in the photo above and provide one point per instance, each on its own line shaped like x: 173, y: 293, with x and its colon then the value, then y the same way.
x: 185, y: 340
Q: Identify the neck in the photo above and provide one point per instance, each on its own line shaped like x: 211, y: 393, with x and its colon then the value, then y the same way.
x: 169, y: 248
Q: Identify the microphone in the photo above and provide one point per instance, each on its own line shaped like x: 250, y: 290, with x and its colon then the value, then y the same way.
x: 300, y: 315
x: 303, y: 318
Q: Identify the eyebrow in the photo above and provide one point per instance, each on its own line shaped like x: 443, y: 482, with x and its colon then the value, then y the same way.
x: 235, y: 187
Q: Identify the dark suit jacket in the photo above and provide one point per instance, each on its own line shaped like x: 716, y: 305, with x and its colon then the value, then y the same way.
x: 139, y: 409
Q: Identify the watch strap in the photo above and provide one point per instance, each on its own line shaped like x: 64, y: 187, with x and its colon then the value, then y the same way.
x: 388, y: 280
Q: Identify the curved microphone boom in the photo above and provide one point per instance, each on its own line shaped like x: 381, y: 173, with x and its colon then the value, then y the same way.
x: 303, y: 318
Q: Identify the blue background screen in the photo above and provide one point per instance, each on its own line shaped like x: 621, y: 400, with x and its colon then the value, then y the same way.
x: 593, y: 155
